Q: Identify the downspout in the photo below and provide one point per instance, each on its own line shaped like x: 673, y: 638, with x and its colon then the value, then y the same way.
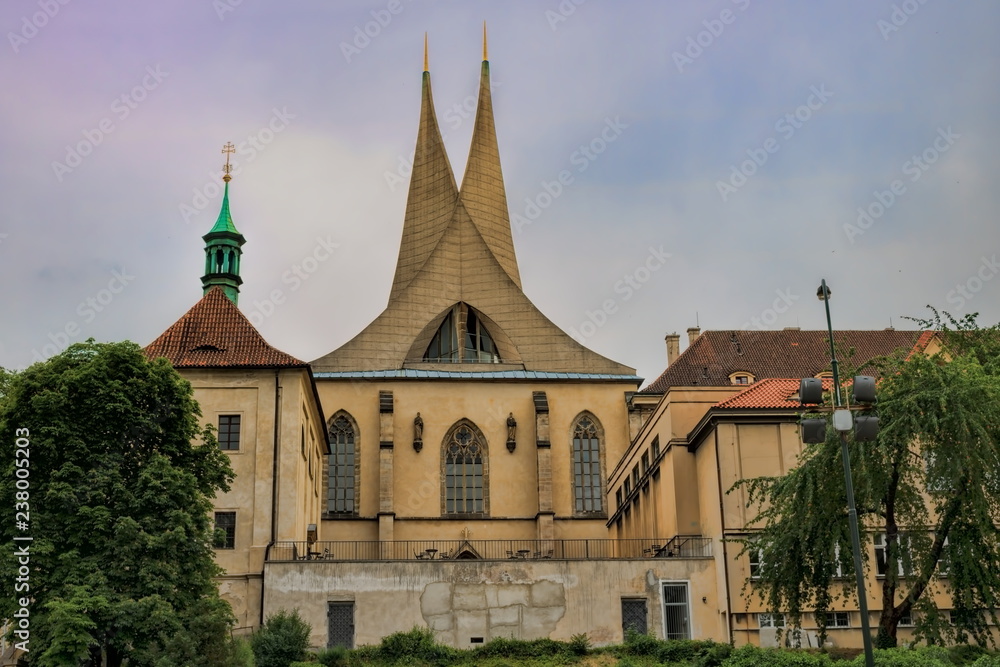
x: 725, y: 552
x: 274, y: 491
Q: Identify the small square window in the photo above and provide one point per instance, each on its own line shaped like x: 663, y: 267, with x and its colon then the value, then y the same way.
x: 229, y: 432
x: 225, y: 530
x: 906, y: 620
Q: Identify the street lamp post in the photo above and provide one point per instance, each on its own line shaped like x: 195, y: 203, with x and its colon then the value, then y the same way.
x: 842, y: 422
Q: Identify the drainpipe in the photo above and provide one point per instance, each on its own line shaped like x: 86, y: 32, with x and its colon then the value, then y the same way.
x: 725, y: 553
x: 274, y: 492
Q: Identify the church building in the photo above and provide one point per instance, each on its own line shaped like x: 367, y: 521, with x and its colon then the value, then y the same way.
x: 465, y: 465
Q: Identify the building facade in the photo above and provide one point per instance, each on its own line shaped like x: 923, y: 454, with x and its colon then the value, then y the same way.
x: 465, y: 465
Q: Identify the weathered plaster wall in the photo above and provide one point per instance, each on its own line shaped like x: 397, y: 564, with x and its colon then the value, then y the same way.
x: 460, y: 600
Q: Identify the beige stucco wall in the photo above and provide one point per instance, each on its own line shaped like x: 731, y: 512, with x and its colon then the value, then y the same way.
x: 251, y: 394
x: 464, y: 599
x: 513, y: 482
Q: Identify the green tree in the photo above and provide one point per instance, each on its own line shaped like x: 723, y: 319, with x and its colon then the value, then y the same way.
x: 121, y: 564
x: 930, y: 485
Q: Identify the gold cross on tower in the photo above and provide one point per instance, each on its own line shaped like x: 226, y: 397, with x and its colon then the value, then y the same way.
x: 227, y: 150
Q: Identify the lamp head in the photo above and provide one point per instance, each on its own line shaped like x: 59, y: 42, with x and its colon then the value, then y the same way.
x: 823, y: 293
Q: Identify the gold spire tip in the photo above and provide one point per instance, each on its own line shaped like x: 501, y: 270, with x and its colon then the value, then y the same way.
x: 227, y: 150
x: 426, y: 63
x: 484, y: 41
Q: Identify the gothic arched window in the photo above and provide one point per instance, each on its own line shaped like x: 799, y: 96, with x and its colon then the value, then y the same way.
x: 465, y: 475
x: 341, y: 494
x: 588, y: 493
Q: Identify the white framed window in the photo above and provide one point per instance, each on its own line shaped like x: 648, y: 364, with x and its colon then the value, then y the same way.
x: 881, y: 555
x: 676, y: 610
x: 838, y: 619
x: 906, y: 620
x: 756, y: 557
x: 770, y: 620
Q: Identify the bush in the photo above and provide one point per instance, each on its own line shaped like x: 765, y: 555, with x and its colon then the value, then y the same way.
x: 417, y: 644
x: 639, y: 643
x: 504, y: 647
x: 579, y: 644
x: 332, y: 657
x: 924, y: 656
x: 692, y: 650
x: 987, y: 661
x: 282, y: 640
x: 752, y: 656
x: 966, y: 654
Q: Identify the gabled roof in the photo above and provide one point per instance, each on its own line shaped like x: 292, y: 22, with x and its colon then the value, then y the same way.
x: 789, y: 353
x: 215, y: 334
x: 772, y: 393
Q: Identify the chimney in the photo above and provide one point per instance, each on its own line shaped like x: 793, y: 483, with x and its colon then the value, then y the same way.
x: 693, y: 333
x: 673, y: 347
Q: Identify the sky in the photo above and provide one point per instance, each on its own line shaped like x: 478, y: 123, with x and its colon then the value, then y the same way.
x: 667, y: 164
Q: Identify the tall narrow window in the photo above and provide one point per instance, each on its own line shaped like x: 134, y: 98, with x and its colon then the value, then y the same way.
x: 464, y: 471
x: 229, y: 432
x: 225, y: 530
x: 342, y: 470
x: 587, y: 487
x: 675, y: 611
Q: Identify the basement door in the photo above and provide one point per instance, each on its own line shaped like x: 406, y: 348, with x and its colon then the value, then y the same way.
x: 340, y: 623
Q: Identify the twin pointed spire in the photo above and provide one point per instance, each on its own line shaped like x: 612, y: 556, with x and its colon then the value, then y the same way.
x: 223, y: 244
x: 434, y: 195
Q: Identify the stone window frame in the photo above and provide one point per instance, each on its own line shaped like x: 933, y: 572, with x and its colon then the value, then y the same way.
x: 327, y: 514
x: 481, y: 438
x: 602, y: 454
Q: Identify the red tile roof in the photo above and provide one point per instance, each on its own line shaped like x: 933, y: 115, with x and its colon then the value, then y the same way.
x: 215, y: 334
x: 769, y: 393
x: 789, y: 353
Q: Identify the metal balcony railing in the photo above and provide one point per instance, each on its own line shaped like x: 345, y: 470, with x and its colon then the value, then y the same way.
x: 681, y: 546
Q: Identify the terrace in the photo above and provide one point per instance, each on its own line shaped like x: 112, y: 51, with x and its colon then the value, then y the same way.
x: 680, y: 546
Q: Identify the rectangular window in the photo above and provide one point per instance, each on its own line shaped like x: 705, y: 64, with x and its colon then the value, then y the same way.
x: 656, y: 447
x: 645, y: 462
x: 881, y: 555
x: 756, y: 562
x: 635, y: 476
x: 229, y: 432
x: 770, y: 620
x: 618, y: 498
x: 225, y: 530
x: 906, y: 620
x: 838, y: 619
x: 676, y: 614
x: 627, y: 486
x: 634, y: 616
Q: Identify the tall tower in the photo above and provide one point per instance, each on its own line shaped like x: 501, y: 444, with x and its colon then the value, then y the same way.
x: 224, y: 245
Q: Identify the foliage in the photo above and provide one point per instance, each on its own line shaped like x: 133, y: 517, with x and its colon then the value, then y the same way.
x: 930, y: 483
x: 987, y: 661
x: 282, y: 639
x: 752, y: 656
x: 332, y: 657
x: 505, y: 647
x: 120, y: 497
x: 408, y: 647
x: 924, y: 656
x: 640, y: 643
x: 579, y: 644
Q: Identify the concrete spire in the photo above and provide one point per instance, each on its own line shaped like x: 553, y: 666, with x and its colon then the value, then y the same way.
x: 483, y: 193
